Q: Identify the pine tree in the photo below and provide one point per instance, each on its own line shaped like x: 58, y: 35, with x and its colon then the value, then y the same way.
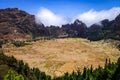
x: 12, y: 75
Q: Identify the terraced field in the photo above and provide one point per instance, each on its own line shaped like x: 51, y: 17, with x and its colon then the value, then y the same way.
x: 58, y: 56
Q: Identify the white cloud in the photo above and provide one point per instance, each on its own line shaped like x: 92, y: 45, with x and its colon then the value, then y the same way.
x: 93, y: 16
x: 48, y: 18
x: 90, y: 17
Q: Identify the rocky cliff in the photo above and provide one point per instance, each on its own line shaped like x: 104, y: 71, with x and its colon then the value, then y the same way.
x: 17, y: 24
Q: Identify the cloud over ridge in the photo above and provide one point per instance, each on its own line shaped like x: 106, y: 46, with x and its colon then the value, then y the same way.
x: 93, y: 16
x: 48, y: 18
x: 90, y: 17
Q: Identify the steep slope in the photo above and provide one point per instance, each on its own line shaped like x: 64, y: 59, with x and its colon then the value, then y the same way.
x: 76, y: 29
x: 17, y: 24
x: 107, y: 30
x: 95, y: 32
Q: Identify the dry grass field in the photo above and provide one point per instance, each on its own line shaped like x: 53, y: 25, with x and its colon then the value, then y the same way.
x: 56, y: 57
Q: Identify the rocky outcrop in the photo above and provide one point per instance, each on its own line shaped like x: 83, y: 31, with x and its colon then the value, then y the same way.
x: 20, y: 25
x: 76, y: 29
x: 17, y: 24
x: 106, y: 30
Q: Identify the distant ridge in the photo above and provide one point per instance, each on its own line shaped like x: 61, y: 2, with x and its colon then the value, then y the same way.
x: 20, y: 25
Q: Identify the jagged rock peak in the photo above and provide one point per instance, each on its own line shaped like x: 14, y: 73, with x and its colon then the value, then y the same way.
x: 118, y: 17
x: 78, y: 22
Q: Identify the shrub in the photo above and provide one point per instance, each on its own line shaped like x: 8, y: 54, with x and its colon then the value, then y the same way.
x: 12, y: 75
x: 19, y: 43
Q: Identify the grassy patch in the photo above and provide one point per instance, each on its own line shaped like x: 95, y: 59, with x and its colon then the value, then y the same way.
x: 115, y: 54
x: 48, y: 65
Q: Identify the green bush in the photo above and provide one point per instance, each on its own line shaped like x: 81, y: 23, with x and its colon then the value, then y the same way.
x: 12, y: 75
x: 19, y: 43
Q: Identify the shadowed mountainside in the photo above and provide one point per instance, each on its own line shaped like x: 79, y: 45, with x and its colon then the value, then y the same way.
x: 17, y: 24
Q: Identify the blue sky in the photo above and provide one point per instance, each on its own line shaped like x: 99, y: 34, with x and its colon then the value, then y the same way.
x: 64, y: 7
x: 58, y: 12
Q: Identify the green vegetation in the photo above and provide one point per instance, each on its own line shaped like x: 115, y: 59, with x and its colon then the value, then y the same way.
x: 19, y: 43
x: 16, y: 43
x: 109, y: 72
x: 12, y: 75
x: 20, y: 71
x: 39, y: 38
x: 26, y: 72
x: 4, y: 41
x: 22, y: 43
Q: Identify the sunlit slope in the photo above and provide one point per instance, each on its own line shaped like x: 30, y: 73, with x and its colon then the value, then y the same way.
x: 64, y: 55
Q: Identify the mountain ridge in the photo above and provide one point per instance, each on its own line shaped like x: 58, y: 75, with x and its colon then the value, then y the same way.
x: 17, y: 24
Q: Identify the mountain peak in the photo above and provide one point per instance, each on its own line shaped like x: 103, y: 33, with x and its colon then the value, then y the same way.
x: 78, y: 22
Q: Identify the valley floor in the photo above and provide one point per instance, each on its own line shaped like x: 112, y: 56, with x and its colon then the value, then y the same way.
x: 58, y: 56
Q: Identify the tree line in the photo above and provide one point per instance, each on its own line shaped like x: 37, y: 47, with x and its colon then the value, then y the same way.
x: 23, y: 69
x: 110, y: 71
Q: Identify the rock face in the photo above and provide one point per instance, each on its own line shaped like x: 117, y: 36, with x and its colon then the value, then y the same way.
x: 95, y: 32
x: 76, y: 29
x: 116, y: 25
x: 80, y: 27
x: 107, y: 30
x: 17, y: 24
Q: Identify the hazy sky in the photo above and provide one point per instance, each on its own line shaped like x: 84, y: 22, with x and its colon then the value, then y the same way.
x: 66, y: 10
